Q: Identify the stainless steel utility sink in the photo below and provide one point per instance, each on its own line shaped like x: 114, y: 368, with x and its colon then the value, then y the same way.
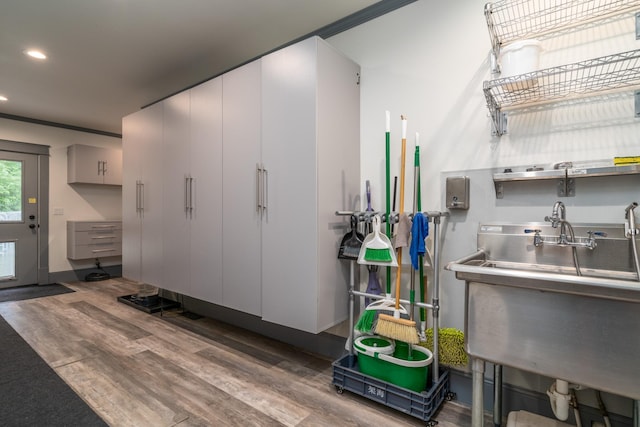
x: 526, y: 307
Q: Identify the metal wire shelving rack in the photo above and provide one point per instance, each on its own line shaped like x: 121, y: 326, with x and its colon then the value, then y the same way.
x: 511, y: 20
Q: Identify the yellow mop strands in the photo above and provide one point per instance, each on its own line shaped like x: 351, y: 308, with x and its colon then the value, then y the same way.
x: 450, y: 346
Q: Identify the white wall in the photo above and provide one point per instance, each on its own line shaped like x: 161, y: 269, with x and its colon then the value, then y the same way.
x: 428, y: 61
x: 79, y: 202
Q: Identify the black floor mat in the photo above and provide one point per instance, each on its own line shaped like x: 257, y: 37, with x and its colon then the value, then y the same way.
x: 32, y: 291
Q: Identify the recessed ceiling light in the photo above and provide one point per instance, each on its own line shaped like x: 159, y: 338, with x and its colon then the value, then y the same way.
x: 3, y: 98
x: 35, y: 54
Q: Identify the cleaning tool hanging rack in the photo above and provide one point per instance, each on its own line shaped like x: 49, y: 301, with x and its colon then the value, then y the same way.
x: 346, y: 372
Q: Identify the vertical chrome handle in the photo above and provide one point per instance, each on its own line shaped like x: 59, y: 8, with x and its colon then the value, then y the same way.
x: 186, y: 195
x: 265, y: 183
x: 190, y: 196
x: 141, y: 198
x: 99, y: 167
x: 258, y: 188
x: 137, y: 196
x: 104, y: 167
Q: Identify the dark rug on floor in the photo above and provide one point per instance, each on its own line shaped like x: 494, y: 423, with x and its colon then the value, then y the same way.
x: 32, y: 291
x: 32, y: 393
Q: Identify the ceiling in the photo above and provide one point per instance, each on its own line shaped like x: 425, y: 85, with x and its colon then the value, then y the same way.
x: 108, y: 58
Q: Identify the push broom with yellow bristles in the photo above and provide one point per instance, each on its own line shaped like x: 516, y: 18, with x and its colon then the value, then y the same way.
x: 393, y: 326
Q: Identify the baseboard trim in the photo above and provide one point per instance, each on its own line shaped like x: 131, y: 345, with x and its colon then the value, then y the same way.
x: 79, y: 275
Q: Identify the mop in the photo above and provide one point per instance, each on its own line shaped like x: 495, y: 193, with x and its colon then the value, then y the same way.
x: 393, y: 326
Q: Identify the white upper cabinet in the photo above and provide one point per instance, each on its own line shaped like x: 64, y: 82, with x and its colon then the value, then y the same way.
x: 87, y: 164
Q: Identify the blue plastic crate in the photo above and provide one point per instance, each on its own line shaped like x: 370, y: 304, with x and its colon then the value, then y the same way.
x: 347, y: 376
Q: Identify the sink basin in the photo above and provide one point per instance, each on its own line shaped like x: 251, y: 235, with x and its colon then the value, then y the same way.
x: 527, y: 308
x: 600, y: 283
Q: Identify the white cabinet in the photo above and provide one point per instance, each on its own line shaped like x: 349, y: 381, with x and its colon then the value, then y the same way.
x: 93, y: 239
x: 310, y: 149
x: 142, y: 196
x: 87, y: 164
x: 250, y: 168
x: 192, y: 185
x: 241, y: 215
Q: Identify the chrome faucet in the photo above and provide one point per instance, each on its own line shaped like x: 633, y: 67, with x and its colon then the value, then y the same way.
x: 629, y: 215
x: 631, y: 231
x: 559, y: 216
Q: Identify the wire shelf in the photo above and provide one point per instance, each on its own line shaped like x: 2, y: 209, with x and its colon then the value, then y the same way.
x: 511, y: 20
x: 608, y: 73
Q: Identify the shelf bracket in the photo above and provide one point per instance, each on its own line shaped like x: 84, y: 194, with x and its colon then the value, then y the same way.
x: 638, y: 26
x: 567, y: 187
x: 499, y: 121
x: 637, y: 98
x: 499, y: 190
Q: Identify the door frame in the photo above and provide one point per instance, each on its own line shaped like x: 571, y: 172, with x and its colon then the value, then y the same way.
x: 42, y: 151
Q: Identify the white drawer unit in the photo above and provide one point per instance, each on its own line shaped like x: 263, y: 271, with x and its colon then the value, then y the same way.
x: 94, y: 239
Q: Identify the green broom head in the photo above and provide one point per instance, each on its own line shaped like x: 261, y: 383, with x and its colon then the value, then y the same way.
x: 450, y: 346
x: 366, y: 321
x: 378, y: 255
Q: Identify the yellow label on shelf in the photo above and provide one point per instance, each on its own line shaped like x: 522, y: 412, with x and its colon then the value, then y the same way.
x: 32, y: 200
x: 630, y: 160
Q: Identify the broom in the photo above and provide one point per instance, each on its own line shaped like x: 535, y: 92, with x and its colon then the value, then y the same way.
x: 393, y: 326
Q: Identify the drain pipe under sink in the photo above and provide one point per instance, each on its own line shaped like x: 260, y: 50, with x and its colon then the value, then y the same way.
x: 560, y: 397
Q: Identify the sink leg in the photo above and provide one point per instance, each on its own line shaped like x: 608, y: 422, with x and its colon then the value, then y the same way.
x: 497, y: 395
x: 636, y: 413
x: 477, y: 402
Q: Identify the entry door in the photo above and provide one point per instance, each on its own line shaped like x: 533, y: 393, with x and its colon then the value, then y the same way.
x: 18, y: 219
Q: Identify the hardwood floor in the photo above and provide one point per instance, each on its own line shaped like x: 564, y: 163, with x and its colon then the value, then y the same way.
x: 136, y: 369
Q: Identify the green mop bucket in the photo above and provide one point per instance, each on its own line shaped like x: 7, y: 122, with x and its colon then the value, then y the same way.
x: 383, y: 359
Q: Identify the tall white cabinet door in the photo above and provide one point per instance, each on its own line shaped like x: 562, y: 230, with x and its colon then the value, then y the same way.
x: 142, y: 195
x: 177, y: 200
x: 206, y: 171
x: 241, y: 215
x: 310, y: 146
x: 338, y: 176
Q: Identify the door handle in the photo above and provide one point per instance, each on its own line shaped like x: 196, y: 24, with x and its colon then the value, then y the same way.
x: 32, y: 226
x: 265, y: 191
x: 258, y: 188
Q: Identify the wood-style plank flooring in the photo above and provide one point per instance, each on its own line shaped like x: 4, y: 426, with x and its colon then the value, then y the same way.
x: 136, y: 369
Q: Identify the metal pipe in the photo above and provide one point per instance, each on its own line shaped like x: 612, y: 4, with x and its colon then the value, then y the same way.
x: 477, y: 399
x: 636, y: 413
x: 436, y: 301
x: 352, y: 281
x: 497, y: 395
x: 378, y: 297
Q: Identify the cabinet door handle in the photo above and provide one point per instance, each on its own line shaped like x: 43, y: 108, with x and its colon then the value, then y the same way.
x: 104, y: 167
x: 190, y: 196
x: 137, y: 196
x: 186, y: 194
x: 99, y: 167
x: 258, y: 188
x: 141, y: 198
x: 265, y: 183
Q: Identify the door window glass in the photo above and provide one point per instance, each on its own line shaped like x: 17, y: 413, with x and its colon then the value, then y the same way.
x: 10, y: 191
x: 7, y: 260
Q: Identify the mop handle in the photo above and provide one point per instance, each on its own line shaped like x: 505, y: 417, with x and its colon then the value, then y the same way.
x: 403, y: 154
